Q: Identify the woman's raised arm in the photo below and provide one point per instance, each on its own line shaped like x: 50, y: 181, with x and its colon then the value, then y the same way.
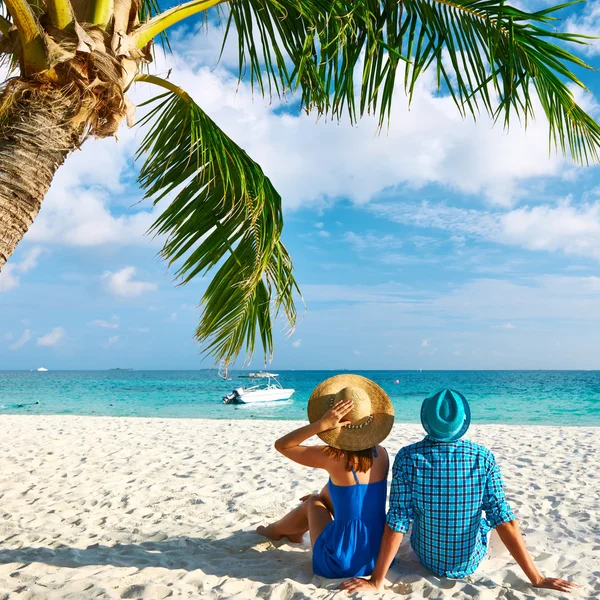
x: 313, y: 456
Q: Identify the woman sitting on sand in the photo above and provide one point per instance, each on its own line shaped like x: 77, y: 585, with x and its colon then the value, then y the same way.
x: 352, y: 415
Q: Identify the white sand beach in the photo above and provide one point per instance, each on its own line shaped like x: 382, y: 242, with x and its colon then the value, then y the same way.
x: 97, y: 507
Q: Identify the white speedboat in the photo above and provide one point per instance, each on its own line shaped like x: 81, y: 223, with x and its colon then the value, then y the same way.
x: 272, y: 391
x: 42, y: 370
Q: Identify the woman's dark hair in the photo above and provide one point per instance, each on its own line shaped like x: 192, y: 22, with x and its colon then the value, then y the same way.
x: 356, y: 460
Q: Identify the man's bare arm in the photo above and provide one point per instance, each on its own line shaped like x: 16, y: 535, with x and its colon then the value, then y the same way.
x: 390, y: 542
x: 511, y: 536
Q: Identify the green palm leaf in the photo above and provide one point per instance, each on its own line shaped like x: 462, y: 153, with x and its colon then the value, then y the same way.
x: 8, y: 60
x: 146, y: 9
x: 226, y: 215
x: 487, y: 55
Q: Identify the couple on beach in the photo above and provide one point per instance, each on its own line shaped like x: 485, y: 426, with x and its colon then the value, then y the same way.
x: 442, y: 486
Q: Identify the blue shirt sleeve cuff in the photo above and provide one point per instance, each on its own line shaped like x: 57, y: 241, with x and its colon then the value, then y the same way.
x: 399, y: 525
x: 500, y: 518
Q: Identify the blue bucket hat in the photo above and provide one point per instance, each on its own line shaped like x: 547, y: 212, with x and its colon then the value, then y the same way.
x: 445, y: 415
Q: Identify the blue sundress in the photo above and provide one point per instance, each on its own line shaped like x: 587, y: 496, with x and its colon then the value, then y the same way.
x: 349, y: 545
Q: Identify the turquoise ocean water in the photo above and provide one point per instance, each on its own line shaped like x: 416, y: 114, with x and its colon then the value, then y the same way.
x: 517, y: 397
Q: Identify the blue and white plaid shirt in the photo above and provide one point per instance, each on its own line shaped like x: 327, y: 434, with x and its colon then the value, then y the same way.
x: 443, y: 489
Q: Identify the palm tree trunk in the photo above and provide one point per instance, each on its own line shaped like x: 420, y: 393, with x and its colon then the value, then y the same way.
x: 36, y: 135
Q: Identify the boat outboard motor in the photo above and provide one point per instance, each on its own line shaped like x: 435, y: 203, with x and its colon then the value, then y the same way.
x: 231, y: 398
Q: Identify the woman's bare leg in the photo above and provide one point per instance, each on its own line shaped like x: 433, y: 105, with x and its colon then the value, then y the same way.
x: 313, y: 514
x: 324, y: 493
x: 292, y: 526
x: 318, y: 516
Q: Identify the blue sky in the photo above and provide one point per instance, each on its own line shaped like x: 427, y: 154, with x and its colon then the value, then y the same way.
x: 440, y: 244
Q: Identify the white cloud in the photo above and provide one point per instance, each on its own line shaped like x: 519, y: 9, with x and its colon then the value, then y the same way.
x: 192, y: 307
x: 52, y: 337
x: 544, y: 310
x: 387, y: 293
x: 547, y: 297
x: 104, y: 324
x: 82, y: 217
x: 139, y: 329
x: 30, y: 261
x: 430, y: 143
x: 508, y: 326
x: 491, y: 300
x: 9, y: 277
x: 372, y: 240
x: 564, y: 227
x: 423, y: 241
x: 122, y: 284
x: 22, y: 340
x: 396, y: 259
x: 319, y: 225
x: 112, y: 340
x: 424, y: 343
x: 587, y: 22
x: 8, y: 280
x: 297, y: 343
x: 570, y: 229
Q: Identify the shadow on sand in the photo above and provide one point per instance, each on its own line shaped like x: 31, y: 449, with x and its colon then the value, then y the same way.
x: 242, y: 555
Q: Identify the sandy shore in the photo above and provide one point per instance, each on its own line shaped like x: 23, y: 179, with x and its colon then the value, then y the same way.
x: 140, y: 508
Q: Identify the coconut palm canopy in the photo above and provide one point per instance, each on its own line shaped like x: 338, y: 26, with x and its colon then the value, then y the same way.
x: 72, y: 63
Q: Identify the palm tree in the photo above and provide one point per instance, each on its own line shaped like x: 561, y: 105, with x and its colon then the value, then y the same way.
x: 72, y: 63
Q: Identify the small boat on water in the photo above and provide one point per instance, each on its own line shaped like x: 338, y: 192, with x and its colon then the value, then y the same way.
x: 272, y: 391
x: 42, y: 370
x: 260, y: 375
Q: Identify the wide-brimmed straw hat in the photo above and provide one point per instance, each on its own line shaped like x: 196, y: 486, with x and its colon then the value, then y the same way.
x: 372, y: 414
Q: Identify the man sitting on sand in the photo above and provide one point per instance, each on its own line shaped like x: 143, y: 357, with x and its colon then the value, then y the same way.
x: 442, y: 485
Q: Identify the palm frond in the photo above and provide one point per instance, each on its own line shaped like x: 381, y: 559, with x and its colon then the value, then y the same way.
x: 9, y: 60
x: 489, y: 56
x: 226, y: 216
x: 275, y: 38
x: 148, y: 9
x: 31, y: 35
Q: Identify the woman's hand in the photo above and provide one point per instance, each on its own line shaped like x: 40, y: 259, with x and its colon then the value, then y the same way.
x: 357, y: 584
x: 332, y: 419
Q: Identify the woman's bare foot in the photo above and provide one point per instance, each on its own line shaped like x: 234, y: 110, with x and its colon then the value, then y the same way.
x: 268, y: 533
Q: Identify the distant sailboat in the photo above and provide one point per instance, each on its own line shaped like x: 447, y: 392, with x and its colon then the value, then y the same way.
x: 223, y: 372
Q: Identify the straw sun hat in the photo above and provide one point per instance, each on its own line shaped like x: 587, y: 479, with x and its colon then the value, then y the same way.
x: 372, y: 414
